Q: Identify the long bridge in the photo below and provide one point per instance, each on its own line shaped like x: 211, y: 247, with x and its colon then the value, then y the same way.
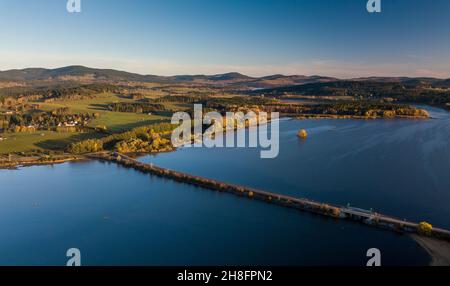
x: 330, y: 210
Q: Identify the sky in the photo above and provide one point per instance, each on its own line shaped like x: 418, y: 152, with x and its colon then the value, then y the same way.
x: 255, y: 37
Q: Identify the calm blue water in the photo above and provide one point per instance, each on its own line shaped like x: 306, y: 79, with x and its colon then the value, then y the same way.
x: 117, y: 216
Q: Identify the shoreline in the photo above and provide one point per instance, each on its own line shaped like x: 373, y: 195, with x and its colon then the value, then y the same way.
x: 71, y: 157
x: 357, y: 117
x: 37, y: 162
x: 438, y: 250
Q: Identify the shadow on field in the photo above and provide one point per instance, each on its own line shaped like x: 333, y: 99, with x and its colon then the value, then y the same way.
x: 62, y: 144
x: 98, y: 106
x: 125, y: 127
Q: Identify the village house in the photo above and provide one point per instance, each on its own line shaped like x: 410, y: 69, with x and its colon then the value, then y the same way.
x: 70, y: 123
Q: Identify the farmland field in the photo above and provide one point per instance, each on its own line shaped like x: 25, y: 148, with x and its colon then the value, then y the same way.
x: 41, y: 140
x: 114, y: 121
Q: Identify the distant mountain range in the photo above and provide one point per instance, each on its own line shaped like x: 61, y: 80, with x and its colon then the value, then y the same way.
x: 85, y: 74
x: 80, y: 73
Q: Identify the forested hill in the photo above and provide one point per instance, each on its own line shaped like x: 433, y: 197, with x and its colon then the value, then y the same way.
x: 85, y: 74
x: 425, y: 91
x: 36, y: 74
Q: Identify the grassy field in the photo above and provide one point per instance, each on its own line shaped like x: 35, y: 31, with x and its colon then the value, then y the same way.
x: 47, y: 140
x: 114, y: 121
x: 41, y: 140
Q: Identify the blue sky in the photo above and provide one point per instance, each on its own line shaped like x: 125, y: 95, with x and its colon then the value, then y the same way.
x: 255, y: 37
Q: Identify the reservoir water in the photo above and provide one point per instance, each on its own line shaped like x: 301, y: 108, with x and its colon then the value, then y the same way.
x: 118, y: 216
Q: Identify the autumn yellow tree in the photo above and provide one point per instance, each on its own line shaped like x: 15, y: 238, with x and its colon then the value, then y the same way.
x: 303, y: 134
x: 425, y: 228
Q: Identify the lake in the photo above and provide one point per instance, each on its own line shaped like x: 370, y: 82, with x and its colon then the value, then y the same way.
x: 118, y: 216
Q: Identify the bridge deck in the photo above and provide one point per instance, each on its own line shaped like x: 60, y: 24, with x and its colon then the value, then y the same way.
x: 331, y: 210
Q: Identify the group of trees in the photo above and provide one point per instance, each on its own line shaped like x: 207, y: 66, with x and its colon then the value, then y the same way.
x: 86, y: 146
x: 137, y: 145
x: 352, y: 108
x: 151, y: 138
x: 59, y: 91
x: 136, y: 107
x: 366, y: 109
x: 216, y: 103
x: 231, y: 103
x: 145, y: 133
x: 425, y: 228
x: 413, y: 91
x: 41, y: 120
x: 180, y: 99
x: 302, y: 134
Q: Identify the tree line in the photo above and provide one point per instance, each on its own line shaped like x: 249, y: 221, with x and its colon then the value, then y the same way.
x: 136, y: 107
x: 151, y: 138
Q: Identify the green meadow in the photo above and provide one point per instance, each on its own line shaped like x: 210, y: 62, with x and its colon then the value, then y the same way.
x: 50, y: 140
x: 41, y: 140
x: 114, y: 121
